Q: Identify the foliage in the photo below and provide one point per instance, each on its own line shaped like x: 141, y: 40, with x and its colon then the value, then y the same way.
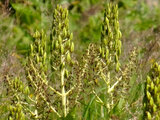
x: 61, y: 80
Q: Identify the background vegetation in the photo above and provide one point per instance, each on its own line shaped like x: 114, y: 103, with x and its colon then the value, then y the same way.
x: 139, y: 25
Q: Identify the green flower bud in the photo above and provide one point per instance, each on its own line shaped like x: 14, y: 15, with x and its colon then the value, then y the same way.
x: 68, y: 58
x: 59, y: 26
x: 10, y: 108
x: 56, y: 12
x: 42, y: 51
x: 159, y: 68
x: 44, y: 58
x: 71, y: 36
x: 10, y: 118
x: 21, y: 88
x: 151, y: 101
x: 66, y: 22
x: 56, y: 44
x: 37, y: 58
x: 105, y: 41
x: 26, y: 91
x: 117, y: 66
x: 62, y: 49
x: 72, y: 47
x: 66, y: 74
x: 17, y: 116
x: 116, y: 58
x: 149, y: 116
x: 157, y: 117
x: 107, y: 54
x: 152, y: 85
x: 36, y: 35
x: 31, y: 48
x: 62, y: 66
x: 148, y: 86
x: 148, y: 80
x: 157, y: 81
x: 148, y: 95
x: 66, y: 11
x: 119, y: 44
x: 107, y: 21
x: 68, y: 44
x: 59, y: 39
x: 155, y: 90
x: 154, y: 108
x: 103, y: 53
x: 120, y: 34
x: 63, y: 15
x: 65, y: 32
x: 39, y: 48
x: 100, y: 50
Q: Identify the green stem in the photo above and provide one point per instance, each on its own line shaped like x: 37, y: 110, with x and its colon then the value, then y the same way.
x: 63, y: 90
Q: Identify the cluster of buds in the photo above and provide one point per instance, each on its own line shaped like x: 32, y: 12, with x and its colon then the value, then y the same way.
x: 152, y: 94
x: 37, y: 66
x: 61, y: 49
x: 17, y: 90
x: 37, y: 73
x: 16, y: 112
x: 110, y: 48
x: 38, y: 50
x: 61, y: 37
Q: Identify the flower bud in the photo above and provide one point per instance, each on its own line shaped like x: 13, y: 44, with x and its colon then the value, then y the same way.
x: 26, y: 91
x: 120, y: 34
x: 66, y: 74
x: 31, y: 48
x: 65, y: 32
x: 36, y: 35
x: 152, y: 85
x: 107, y: 53
x: 72, y: 47
x: 37, y: 58
x: 148, y: 80
x: 59, y: 26
x: 63, y: 15
x: 154, y: 108
x: 103, y: 54
x: 117, y: 66
x: 148, y: 95
x: 107, y: 21
x: 56, y: 44
x: 155, y: 90
x: 42, y: 51
x: 100, y: 50
x: 62, y: 49
x: 149, y: 117
x: 68, y: 58
x: 71, y: 36
x: 116, y: 58
x: 62, y: 66
x: 151, y: 101
x: 59, y: 39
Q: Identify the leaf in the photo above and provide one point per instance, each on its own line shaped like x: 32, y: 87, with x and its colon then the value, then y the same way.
x: 88, y: 107
x: 118, y: 107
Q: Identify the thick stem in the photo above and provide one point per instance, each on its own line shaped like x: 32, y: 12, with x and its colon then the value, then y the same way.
x: 63, y: 91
